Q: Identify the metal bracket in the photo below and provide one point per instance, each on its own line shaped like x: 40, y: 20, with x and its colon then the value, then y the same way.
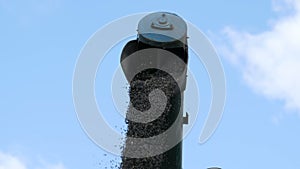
x: 186, y: 119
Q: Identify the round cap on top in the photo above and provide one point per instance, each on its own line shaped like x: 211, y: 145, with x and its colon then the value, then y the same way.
x: 162, y: 29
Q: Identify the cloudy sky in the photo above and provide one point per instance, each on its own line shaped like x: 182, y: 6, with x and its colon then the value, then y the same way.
x: 258, y: 44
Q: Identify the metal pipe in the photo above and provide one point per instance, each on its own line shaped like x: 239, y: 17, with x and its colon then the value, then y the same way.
x: 168, y: 32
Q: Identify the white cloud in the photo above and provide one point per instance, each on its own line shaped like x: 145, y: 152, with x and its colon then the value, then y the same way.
x: 8, y: 161
x: 270, y: 60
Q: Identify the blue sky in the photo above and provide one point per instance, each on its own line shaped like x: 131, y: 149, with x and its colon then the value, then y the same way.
x: 258, y: 43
